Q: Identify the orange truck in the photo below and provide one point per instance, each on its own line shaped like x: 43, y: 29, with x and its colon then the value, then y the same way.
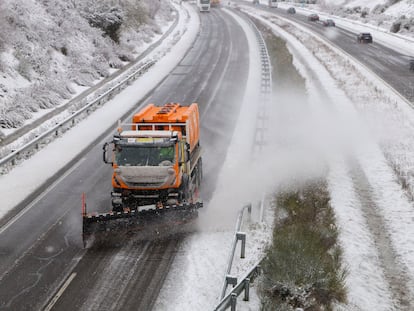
x: 215, y: 3
x: 156, y: 159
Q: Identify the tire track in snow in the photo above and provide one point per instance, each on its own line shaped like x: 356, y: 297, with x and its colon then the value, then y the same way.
x: 115, y: 278
x: 394, y: 272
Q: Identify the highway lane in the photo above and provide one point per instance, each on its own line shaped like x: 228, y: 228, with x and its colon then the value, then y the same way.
x: 390, y: 65
x: 43, y: 264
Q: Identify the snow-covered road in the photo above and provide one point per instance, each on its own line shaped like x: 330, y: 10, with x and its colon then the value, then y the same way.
x: 363, y: 130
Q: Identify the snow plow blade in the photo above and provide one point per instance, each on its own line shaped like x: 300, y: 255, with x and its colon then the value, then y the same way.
x: 117, y: 227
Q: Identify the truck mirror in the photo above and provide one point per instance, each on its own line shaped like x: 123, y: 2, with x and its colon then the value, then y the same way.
x: 187, y: 152
x: 105, y: 154
x: 184, y: 152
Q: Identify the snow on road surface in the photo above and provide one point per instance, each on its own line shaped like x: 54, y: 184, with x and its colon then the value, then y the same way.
x: 196, y: 279
x: 363, y: 184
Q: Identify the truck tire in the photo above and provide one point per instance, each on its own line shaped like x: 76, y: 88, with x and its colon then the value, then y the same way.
x: 184, y: 192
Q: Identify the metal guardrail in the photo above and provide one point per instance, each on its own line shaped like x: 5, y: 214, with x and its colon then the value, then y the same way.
x: 265, y: 92
x: 70, y: 121
x: 230, y: 300
x: 238, y: 236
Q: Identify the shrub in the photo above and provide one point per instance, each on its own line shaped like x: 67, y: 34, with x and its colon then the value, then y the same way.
x: 303, y: 266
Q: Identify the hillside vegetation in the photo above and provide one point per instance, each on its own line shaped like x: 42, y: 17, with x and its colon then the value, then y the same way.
x: 50, y: 47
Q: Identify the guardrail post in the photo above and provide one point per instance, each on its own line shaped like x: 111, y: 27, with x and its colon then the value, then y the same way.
x: 233, y: 302
x: 232, y: 280
x: 249, y: 208
x: 246, y: 289
x: 242, y: 236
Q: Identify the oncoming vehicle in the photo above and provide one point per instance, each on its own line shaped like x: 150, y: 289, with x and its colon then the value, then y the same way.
x: 203, y: 5
x: 256, y: 2
x: 215, y: 3
x: 291, y: 10
x: 364, y: 37
x: 313, y: 17
x: 328, y: 23
x: 272, y: 3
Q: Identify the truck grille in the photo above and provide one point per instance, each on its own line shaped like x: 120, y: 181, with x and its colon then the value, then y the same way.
x: 145, y: 184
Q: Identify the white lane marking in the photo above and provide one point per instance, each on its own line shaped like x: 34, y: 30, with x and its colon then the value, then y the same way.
x: 41, y: 196
x: 60, y: 292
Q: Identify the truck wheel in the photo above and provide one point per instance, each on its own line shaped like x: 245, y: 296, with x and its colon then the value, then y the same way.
x: 116, y: 207
x: 200, y: 170
x: 184, y: 192
x: 117, y: 201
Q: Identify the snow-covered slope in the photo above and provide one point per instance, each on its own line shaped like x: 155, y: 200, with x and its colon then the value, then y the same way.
x: 49, y: 48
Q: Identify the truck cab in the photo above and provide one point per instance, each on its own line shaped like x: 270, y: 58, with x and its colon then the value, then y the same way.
x: 204, y: 5
x: 156, y: 159
x: 148, y: 168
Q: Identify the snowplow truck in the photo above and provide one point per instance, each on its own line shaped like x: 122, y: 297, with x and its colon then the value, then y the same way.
x: 156, y: 160
x: 156, y: 176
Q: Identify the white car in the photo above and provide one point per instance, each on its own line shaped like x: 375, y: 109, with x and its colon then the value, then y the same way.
x: 272, y: 3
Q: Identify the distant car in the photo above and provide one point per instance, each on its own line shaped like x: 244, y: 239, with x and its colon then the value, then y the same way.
x: 328, y: 23
x: 313, y: 17
x: 272, y: 3
x: 291, y: 10
x: 256, y: 2
x: 364, y: 37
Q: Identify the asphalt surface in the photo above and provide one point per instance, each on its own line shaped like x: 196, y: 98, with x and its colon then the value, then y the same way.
x: 43, y: 265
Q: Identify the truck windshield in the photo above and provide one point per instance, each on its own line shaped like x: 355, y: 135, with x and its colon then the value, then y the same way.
x: 204, y: 1
x: 144, y: 155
